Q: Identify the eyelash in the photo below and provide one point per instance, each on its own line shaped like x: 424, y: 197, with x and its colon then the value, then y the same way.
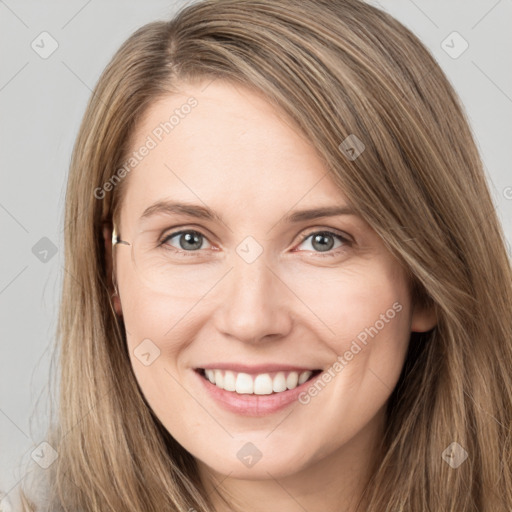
x: 331, y: 253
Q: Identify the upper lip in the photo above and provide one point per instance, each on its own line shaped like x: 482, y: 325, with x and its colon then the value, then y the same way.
x: 260, y: 368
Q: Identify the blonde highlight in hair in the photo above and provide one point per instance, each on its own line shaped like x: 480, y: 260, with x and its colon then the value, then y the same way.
x: 335, y: 68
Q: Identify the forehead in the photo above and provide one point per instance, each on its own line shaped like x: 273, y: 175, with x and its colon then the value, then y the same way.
x: 227, y: 147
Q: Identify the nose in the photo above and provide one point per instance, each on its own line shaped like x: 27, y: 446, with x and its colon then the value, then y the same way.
x: 254, y: 304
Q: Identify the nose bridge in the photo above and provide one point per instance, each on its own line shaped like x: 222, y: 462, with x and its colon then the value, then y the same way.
x: 254, y: 301
x: 253, y: 281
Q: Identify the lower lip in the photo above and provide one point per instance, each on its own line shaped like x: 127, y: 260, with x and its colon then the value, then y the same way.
x: 253, y: 405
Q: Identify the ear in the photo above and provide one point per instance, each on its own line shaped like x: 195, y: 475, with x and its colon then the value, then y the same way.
x: 107, y: 240
x: 424, y: 317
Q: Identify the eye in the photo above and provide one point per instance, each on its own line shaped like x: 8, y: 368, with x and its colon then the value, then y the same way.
x: 324, y: 241
x: 187, y: 240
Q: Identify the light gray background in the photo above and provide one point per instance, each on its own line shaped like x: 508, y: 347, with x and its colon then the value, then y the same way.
x: 42, y: 102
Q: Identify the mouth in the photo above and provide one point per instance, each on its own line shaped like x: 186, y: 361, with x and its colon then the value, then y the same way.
x: 271, y: 383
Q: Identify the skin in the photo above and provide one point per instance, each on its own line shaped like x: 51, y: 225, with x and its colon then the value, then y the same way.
x: 291, y: 305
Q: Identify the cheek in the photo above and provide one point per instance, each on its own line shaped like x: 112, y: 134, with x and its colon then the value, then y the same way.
x: 369, y: 314
x: 160, y: 314
x: 368, y: 317
x: 149, y: 314
x: 154, y: 330
x: 359, y: 304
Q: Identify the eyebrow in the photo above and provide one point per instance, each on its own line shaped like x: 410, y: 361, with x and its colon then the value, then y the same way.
x: 192, y: 210
x: 203, y: 212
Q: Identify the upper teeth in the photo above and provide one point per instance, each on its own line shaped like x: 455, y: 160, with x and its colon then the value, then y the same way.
x: 261, y: 384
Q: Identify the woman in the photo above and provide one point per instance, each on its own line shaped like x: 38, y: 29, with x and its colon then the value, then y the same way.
x: 287, y: 287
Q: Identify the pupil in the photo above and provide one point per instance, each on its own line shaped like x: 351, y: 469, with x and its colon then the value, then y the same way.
x: 321, y: 238
x: 190, y: 238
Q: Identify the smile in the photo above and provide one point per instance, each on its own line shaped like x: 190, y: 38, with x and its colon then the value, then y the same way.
x: 257, y: 384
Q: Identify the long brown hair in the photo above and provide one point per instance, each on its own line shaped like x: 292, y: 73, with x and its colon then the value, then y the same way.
x: 337, y: 69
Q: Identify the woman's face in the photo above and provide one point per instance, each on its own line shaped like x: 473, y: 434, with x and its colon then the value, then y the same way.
x: 257, y: 292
